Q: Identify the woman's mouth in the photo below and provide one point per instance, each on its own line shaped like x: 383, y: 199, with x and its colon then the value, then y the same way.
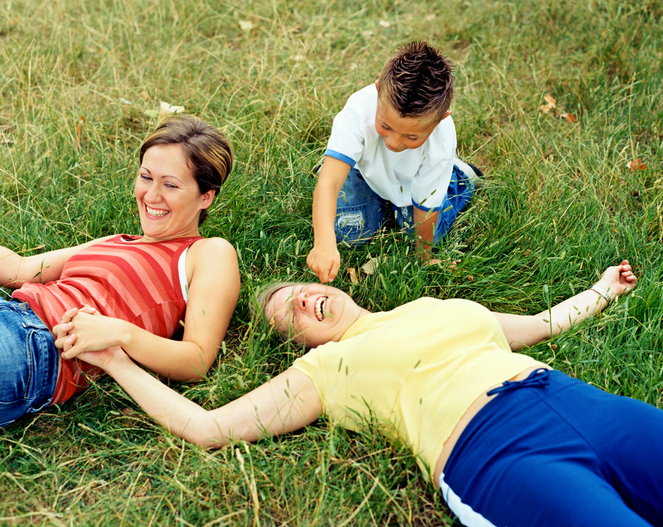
x: 320, y: 308
x: 158, y: 213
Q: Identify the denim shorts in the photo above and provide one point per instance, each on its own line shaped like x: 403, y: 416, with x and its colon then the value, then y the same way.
x: 29, y: 362
x: 552, y: 450
x: 360, y: 212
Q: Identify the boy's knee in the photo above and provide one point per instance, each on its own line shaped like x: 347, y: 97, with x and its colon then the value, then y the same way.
x: 352, y: 227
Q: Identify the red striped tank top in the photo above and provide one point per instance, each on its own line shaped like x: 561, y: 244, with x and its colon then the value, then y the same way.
x: 123, y: 278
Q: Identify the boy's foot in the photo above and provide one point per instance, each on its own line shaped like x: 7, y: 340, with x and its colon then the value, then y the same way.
x: 473, y: 173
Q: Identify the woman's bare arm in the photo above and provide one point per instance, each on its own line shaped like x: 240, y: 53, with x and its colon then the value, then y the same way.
x: 286, y: 403
x: 523, y: 330
x: 15, y: 269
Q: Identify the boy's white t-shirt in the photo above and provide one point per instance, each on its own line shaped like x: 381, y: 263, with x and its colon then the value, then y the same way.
x: 418, y: 177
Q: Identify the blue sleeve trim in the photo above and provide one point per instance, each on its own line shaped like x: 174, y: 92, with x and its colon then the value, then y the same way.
x: 425, y: 209
x: 340, y: 157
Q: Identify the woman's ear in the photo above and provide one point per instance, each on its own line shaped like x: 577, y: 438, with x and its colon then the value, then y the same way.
x: 208, y: 197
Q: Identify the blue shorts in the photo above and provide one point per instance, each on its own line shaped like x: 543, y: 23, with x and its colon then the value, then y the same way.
x: 29, y: 362
x: 360, y: 212
x: 552, y: 450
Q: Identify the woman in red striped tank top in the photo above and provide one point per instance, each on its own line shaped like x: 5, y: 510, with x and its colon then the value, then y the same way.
x: 143, y: 289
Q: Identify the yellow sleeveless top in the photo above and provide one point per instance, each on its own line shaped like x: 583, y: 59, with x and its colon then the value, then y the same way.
x: 413, y: 371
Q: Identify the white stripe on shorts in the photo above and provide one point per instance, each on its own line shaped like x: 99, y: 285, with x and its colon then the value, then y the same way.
x: 466, y: 515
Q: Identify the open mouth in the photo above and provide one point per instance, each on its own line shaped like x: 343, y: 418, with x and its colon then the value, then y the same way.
x: 156, y: 212
x: 320, y: 308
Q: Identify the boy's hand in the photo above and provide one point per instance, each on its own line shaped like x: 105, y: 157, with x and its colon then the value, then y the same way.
x: 325, y: 262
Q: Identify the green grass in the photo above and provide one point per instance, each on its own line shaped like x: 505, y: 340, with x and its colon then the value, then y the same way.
x: 559, y: 205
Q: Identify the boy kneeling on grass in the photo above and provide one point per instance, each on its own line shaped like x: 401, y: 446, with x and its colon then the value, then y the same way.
x: 394, y: 143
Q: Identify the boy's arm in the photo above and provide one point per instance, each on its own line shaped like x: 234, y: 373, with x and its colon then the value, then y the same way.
x: 424, y: 226
x: 324, y: 259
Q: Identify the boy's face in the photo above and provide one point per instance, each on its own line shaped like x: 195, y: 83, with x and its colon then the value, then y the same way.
x: 401, y: 133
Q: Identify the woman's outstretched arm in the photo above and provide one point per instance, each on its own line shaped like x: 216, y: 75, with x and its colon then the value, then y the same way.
x: 287, y: 402
x: 15, y: 269
x: 524, y: 331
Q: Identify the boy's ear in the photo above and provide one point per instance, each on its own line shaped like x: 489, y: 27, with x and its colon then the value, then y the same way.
x: 376, y: 85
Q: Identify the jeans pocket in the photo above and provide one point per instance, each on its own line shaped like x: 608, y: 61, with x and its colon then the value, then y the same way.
x: 17, y: 370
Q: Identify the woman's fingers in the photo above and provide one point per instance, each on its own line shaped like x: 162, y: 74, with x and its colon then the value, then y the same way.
x: 65, y: 343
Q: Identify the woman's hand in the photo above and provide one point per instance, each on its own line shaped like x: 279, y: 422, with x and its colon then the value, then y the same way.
x: 85, y: 330
x: 617, y: 280
x: 104, y: 359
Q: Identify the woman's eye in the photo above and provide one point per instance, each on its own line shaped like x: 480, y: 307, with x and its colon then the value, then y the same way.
x: 170, y: 185
x: 145, y: 177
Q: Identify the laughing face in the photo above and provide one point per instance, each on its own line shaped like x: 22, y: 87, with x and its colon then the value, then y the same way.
x: 312, y: 314
x: 168, y: 196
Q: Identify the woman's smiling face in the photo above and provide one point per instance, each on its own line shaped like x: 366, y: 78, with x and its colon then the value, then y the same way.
x: 312, y: 314
x: 168, y: 196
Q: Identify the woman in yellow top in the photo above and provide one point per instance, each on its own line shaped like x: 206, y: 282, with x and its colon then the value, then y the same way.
x: 508, y: 440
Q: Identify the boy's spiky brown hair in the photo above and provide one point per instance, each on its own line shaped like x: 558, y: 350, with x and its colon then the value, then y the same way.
x: 418, y: 81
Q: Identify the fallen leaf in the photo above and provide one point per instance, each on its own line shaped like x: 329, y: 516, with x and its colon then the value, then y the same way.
x: 370, y: 266
x: 165, y: 109
x: 78, y: 132
x: 4, y: 139
x: 636, y: 164
x: 353, y: 275
x: 246, y: 25
x: 430, y: 17
x: 551, y: 104
x: 169, y: 109
x: 385, y: 23
x: 569, y: 117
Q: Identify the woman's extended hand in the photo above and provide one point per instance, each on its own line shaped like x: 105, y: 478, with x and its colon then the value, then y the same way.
x: 618, y: 279
x: 103, y: 359
x: 85, y: 330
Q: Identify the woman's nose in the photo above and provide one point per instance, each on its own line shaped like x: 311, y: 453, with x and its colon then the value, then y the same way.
x: 301, y: 298
x: 153, y: 194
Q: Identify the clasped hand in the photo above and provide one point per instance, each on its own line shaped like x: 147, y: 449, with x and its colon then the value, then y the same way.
x: 86, y: 334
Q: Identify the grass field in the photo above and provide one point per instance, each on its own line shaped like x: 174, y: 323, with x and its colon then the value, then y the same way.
x: 80, y: 87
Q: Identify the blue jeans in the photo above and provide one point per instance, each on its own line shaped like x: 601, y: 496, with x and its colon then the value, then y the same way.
x: 552, y: 450
x: 360, y: 212
x: 29, y: 362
